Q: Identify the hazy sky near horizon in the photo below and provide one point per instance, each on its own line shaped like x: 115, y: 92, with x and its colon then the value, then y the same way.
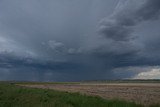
x: 72, y: 40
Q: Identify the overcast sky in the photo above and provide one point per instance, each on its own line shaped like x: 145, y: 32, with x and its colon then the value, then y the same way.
x: 72, y: 40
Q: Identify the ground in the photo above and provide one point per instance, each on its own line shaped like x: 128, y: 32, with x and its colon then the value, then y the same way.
x: 12, y: 95
x: 141, y: 93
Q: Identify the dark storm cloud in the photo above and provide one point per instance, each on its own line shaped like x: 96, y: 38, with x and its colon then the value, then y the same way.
x: 11, y: 61
x: 118, y: 30
x: 57, y: 40
x: 120, y: 46
x: 119, y: 26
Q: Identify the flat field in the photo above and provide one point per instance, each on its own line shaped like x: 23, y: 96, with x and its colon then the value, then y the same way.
x: 12, y: 95
x: 140, y: 93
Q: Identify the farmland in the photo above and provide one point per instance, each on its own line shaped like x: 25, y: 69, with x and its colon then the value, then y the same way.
x: 141, y: 93
x: 29, y: 94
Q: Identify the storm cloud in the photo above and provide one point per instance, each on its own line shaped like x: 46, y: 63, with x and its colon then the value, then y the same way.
x: 127, y: 14
x: 72, y: 40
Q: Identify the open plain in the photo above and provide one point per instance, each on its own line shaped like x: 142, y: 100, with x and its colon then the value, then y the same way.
x: 141, y: 93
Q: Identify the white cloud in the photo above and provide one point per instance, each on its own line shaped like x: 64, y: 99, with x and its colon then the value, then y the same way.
x: 151, y: 74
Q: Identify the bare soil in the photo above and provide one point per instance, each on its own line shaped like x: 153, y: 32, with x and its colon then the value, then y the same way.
x: 141, y: 93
